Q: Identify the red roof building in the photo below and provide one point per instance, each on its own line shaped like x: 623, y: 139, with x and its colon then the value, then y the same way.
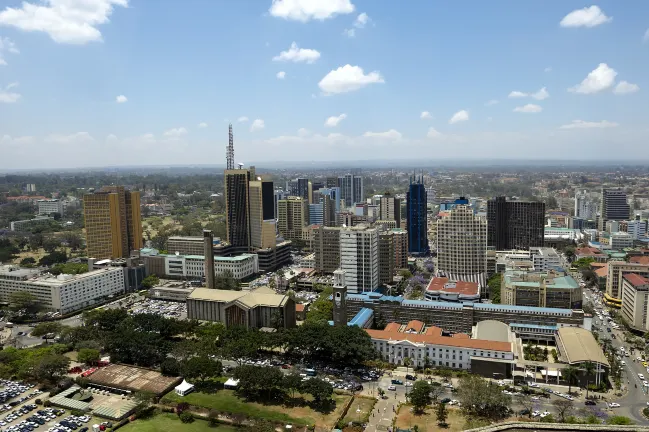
x: 441, y: 289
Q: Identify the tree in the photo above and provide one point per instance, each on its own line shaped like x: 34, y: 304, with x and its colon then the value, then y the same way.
x: 27, y: 262
x: 619, y: 420
x: 525, y: 400
x: 23, y: 300
x: 143, y: 400
x: 589, y: 369
x: 186, y: 417
x: 201, y: 368
x: 226, y: 281
x: 441, y: 413
x: 494, y: 284
x: 52, y: 367
x: 150, y: 281
x: 420, y: 396
x: 213, y: 418
x: 564, y: 408
x: 50, y: 244
x: 47, y: 328
x: 88, y: 356
x: 407, y: 362
x: 321, y: 309
x: 293, y: 383
x: 569, y: 252
x: 481, y: 399
x: 569, y: 374
x: 170, y: 367
x: 320, y: 390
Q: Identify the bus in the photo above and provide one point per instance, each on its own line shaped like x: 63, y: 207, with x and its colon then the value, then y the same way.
x: 612, y: 302
x: 310, y: 372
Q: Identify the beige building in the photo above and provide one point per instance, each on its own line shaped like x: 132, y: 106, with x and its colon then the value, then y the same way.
x: 635, y: 300
x: 326, y: 246
x: 262, y: 231
x: 400, y: 248
x: 185, y: 245
x: 390, y: 209
x: 386, y: 257
x: 113, y: 222
x: 292, y: 217
x: 616, y: 270
x: 541, y: 289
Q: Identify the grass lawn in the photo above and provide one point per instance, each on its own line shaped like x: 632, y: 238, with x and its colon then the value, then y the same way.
x: 170, y: 422
x: 427, y: 422
x: 228, y: 402
x: 365, y: 404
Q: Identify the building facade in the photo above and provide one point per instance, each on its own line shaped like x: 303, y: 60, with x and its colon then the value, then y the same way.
x: 515, y: 224
x: 30, y: 224
x: 417, y: 218
x: 613, y: 206
x: 386, y: 257
x: 262, y: 215
x: 49, y: 206
x: 326, y: 246
x: 541, y: 289
x: 351, y: 189
x: 616, y: 271
x: 293, y: 217
x: 390, y: 209
x: 237, y: 210
x: 635, y: 300
x: 193, y: 266
x: 359, y: 258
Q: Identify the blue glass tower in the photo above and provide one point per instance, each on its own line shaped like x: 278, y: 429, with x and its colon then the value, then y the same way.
x: 417, y: 218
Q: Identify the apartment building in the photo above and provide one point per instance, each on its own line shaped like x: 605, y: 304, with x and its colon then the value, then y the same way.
x: 326, y: 246
x: 635, y: 300
x: 616, y: 271
x: 359, y: 257
x: 63, y: 293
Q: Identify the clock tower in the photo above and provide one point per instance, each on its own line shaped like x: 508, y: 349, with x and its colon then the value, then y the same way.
x: 340, y: 298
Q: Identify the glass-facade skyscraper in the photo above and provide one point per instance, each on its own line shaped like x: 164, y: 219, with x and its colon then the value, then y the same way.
x: 417, y: 218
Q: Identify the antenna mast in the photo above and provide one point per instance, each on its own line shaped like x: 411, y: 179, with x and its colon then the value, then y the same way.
x: 229, y: 155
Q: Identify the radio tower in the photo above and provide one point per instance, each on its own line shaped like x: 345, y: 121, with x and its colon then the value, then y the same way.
x: 229, y: 154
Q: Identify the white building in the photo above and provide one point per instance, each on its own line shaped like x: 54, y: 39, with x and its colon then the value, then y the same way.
x: 586, y: 205
x: 359, y: 258
x: 621, y: 240
x: 637, y: 229
x: 49, y: 206
x: 635, y: 300
x: 544, y: 258
x: 63, y: 293
x: 192, y: 266
x: 29, y: 224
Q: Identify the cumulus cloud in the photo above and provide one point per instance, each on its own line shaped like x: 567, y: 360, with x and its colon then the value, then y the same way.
x: 202, y: 125
x: 281, y: 75
x: 361, y: 20
x: 547, y: 69
x: 539, y: 95
x: 65, y: 21
x: 306, y: 10
x: 298, y: 55
x: 587, y: 17
x: 256, y: 125
x: 459, y: 116
x: 624, y: 87
x: 7, y: 96
x: 348, y: 78
x: 334, y: 120
x: 529, y: 108
x: 303, y: 132
x: 121, y: 99
x: 425, y: 115
x: 581, y: 124
x: 242, y: 119
x: 175, y: 132
x: 391, y: 134
x: 433, y: 133
x: 601, y: 78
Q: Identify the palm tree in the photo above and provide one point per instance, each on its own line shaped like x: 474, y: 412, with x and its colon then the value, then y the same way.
x: 589, y: 368
x: 570, y: 373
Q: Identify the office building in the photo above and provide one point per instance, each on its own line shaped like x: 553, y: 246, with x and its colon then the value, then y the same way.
x: 515, y: 224
x: 616, y: 271
x: 359, y: 258
x: 586, y: 205
x: 262, y: 214
x: 462, y: 245
x: 28, y: 225
x: 330, y: 200
x: 431, y: 195
x: 544, y: 259
x: 552, y: 289
x: 326, y: 246
x: 444, y: 289
x: 113, y: 222
x: 620, y: 240
x: 351, y: 189
x: 279, y: 195
x: 50, y: 206
x: 193, y: 266
x: 208, y: 251
x: 417, y: 218
x: 400, y: 248
x: 259, y: 308
x: 390, y: 209
x: 293, y: 217
x: 133, y: 266
x: 237, y: 210
x: 637, y: 229
x: 350, y: 219
x: 188, y: 245
x: 386, y: 257
x: 635, y: 301
x: 613, y: 206
x: 63, y: 293
x: 316, y: 214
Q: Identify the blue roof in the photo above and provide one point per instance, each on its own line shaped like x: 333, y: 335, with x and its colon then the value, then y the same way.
x: 536, y: 326
x: 362, y: 317
x: 523, y: 308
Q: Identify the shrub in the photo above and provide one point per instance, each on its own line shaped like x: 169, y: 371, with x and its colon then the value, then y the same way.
x: 186, y: 417
x: 47, y: 403
x: 38, y: 402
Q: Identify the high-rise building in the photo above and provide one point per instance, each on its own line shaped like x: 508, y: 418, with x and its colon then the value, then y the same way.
x: 208, y: 260
x: 613, y: 206
x: 585, y: 205
x: 351, y: 189
x: 279, y: 195
x: 293, y: 217
x: 359, y: 258
x: 316, y: 214
x: 515, y: 224
x: 113, y: 222
x: 331, y: 182
x: 237, y: 208
x: 386, y: 257
x: 390, y: 208
x: 400, y: 248
x: 417, y: 218
x: 462, y: 245
x: 637, y: 228
x: 326, y: 246
x: 262, y: 218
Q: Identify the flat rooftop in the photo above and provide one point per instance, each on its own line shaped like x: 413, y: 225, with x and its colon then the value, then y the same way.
x: 133, y: 378
x: 443, y: 285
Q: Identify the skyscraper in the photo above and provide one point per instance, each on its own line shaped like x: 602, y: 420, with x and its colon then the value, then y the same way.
x: 293, y: 217
x: 237, y: 208
x: 386, y: 257
x: 585, y: 205
x: 359, y: 258
x: 113, y: 222
x: 390, y: 208
x: 462, y: 245
x: 326, y: 245
x: 613, y: 206
x: 351, y: 189
x: 515, y: 224
x: 262, y: 219
x: 417, y: 218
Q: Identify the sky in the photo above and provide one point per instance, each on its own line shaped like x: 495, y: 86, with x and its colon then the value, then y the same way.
x: 95, y: 83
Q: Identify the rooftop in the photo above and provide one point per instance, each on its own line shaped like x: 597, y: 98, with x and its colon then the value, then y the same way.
x: 480, y: 344
x: 588, y: 251
x: 443, y: 284
x: 258, y: 297
x: 580, y: 346
x: 494, y: 330
x: 639, y: 260
x: 636, y: 280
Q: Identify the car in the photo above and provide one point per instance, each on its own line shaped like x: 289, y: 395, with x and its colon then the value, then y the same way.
x: 536, y: 413
x: 623, y: 362
x: 614, y: 405
x: 524, y: 412
x: 534, y: 398
x: 544, y: 414
x: 645, y: 383
x: 590, y: 402
x: 608, y: 329
x: 397, y: 381
x: 645, y: 364
x: 446, y: 400
x: 408, y: 384
x: 411, y: 377
x: 392, y: 388
x: 641, y: 376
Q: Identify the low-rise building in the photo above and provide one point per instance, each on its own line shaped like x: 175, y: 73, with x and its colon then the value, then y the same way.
x: 193, y: 266
x: 576, y: 347
x: 541, y: 289
x: 49, y: 206
x: 591, y: 252
x: 443, y: 289
x: 30, y: 224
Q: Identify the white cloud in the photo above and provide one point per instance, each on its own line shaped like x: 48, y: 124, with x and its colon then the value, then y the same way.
x: 175, y: 132
x: 67, y: 139
x: 391, y: 134
x: 65, y: 21
x: 529, y: 108
x: 256, y: 125
x: 9, y: 140
x: 112, y: 138
x: 281, y: 75
x: 581, y: 124
x: 11, y: 85
x: 305, y: 10
x: 361, y: 20
x: 350, y: 33
x: 298, y: 55
x: 7, y: 45
x: 121, y: 99
x: 348, y: 78
x: 425, y: 115
x: 459, y: 116
x: 9, y: 97
x: 624, y: 87
x: 302, y: 132
x: 334, y: 120
x: 433, y: 133
x: 587, y: 17
x: 202, y: 125
x: 491, y: 102
x: 242, y: 119
x: 539, y: 95
x: 547, y: 69
x: 601, y: 78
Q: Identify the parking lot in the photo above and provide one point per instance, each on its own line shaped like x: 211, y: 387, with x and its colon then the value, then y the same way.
x: 15, y: 402
x: 167, y: 309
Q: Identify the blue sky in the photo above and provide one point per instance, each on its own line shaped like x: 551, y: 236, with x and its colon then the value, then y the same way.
x: 356, y: 84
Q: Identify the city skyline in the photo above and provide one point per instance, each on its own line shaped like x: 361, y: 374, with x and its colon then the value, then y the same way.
x: 527, y: 81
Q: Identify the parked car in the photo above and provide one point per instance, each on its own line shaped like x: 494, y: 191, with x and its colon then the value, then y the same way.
x: 590, y: 402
